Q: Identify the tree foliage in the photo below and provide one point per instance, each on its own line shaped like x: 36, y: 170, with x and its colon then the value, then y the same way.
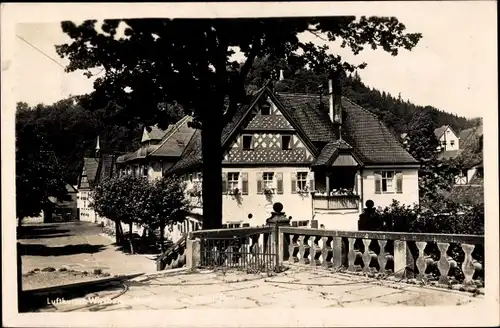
x: 435, y: 175
x: 38, y: 173
x: 156, y: 62
x: 167, y: 204
x: 120, y: 199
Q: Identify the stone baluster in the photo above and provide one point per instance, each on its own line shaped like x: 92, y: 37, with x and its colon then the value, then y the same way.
x: 304, y: 249
x: 468, y: 267
x: 366, y: 255
x: 326, y: 252
x: 382, y: 259
x: 351, y: 255
x: 293, y: 248
x: 421, y: 263
x: 315, y: 251
x: 339, y: 252
x: 403, y: 260
x: 443, y: 264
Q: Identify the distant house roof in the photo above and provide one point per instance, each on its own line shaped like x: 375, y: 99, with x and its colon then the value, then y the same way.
x: 98, y: 168
x: 440, y: 131
x: 471, y: 146
x: 362, y: 133
x: 172, y: 143
x: 155, y: 134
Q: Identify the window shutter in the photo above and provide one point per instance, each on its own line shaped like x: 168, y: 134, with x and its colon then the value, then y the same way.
x: 279, y: 183
x: 244, y: 183
x: 378, y: 182
x: 224, y: 183
x: 294, y: 182
x: 259, y: 182
x: 311, y: 181
x: 399, y: 182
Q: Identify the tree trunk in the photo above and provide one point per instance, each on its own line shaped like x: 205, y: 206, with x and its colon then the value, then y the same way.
x: 118, y: 232
x: 130, y: 229
x: 212, y: 168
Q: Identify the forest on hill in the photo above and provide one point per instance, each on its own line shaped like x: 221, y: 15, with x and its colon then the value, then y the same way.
x: 394, y: 112
x: 70, y: 127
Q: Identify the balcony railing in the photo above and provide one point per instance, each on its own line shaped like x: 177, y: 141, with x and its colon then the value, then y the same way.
x: 335, y: 202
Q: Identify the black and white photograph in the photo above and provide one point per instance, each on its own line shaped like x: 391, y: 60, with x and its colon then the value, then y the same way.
x: 271, y: 160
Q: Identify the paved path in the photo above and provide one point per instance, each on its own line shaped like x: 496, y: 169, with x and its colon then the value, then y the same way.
x: 296, y: 288
x: 79, y: 246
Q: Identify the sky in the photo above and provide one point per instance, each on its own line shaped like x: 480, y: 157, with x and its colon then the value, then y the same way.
x: 452, y: 68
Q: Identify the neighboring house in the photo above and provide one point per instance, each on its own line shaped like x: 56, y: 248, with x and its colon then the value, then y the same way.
x: 93, y: 170
x: 469, y: 184
x: 159, y: 151
x: 65, y: 210
x: 322, y: 157
x: 448, y: 139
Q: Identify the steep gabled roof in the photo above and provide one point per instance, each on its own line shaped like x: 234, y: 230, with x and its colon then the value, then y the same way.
x: 363, y: 134
x: 98, y: 168
x: 440, y: 131
x: 155, y: 134
x: 175, y: 140
x: 172, y: 144
x: 192, y: 154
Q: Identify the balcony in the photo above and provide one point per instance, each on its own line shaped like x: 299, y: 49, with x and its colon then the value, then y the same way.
x: 335, y: 202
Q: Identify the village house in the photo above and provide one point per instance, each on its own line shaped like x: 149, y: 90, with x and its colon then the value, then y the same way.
x: 159, y: 151
x: 322, y: 157
x: 94, y: 169
x: 448, y: 139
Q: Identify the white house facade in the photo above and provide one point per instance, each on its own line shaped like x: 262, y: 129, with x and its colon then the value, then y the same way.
x: 322, y: 157
x: 448, y: 139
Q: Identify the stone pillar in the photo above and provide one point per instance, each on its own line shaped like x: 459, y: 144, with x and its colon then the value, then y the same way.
x: 193, y: 253
x: 276, y: 220
x: 403, y: 260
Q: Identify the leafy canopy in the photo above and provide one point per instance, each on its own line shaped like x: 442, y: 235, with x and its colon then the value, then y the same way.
x: 188, y: 61
x: 38, y: 173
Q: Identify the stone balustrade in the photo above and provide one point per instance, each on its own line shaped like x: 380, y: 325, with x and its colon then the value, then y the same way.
x: 400, y: 254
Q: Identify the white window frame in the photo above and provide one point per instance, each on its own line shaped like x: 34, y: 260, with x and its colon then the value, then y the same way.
x: 386, y: 179
x: 302, y: 181
x: 268, y: 180
x: 233, y: 181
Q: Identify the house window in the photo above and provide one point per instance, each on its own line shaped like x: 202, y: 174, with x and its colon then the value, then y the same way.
x: 265, y: 109
x: 247, y: 142
x: 232, y: 180
x: 452, y: 142
x: 443, y: 143
x: 301, y: 181
x: 233, y: 225
x: 145, y: 170
x: 268, y: 179
x: 387, y: 182
x: 302, y: 223
x: 286, y: 142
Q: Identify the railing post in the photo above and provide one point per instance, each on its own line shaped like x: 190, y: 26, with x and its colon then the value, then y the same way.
x: 276, y: 220
x: 403, y: 260
x: 192, y: 253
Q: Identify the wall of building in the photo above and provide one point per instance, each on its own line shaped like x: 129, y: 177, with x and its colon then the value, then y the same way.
x: 237, y: 209
x: 87, y: 214
x: 409, y: 195
x: 449, y: 140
